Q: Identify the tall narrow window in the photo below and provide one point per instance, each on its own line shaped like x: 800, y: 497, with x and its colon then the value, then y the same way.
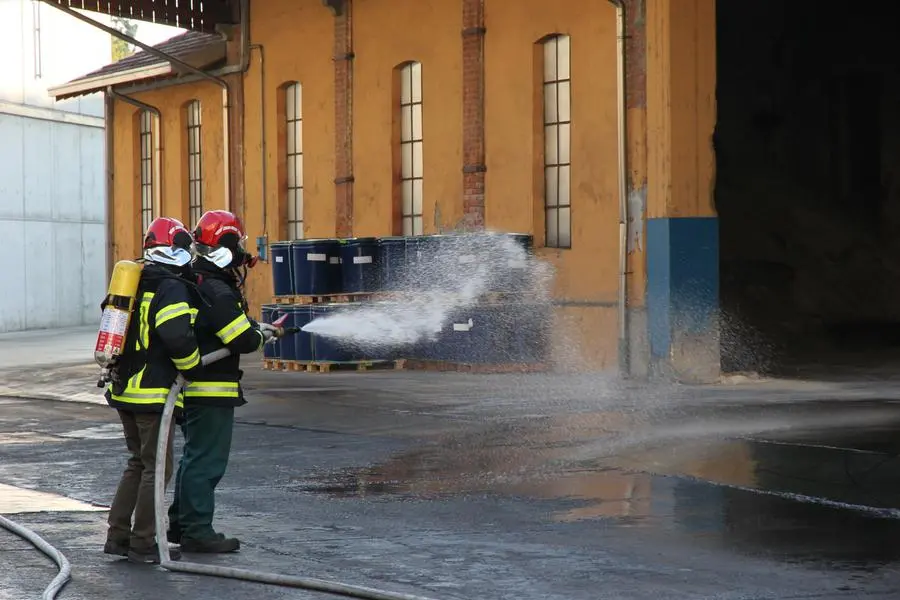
x: 411, y: 164
x: 148, y: 169
x: 195, y: 168
x: 557, y: 133
x: 294, y: 120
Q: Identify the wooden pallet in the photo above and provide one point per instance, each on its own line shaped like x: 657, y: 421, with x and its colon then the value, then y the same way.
x: 301, y: 366
x: 271, y: 364
x: 326, y: 298
x: 483, y: 368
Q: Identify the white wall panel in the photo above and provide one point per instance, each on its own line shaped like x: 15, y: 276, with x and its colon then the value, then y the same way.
x: 40, y: 275
x: 12, y: 199
x: 13, y: 306
x: 39, y: 169
x: 65, y: 159
x: 69, y: 267
x: 93, y: 174
x: 93, y: 257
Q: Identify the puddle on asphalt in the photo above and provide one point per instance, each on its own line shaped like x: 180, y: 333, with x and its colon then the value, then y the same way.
x: 16, y: 500
x: 111, y: 431
x: 25, y: 437
x: 796, y: 500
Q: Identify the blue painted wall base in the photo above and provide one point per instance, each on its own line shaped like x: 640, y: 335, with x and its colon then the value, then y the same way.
x: 683, y: 296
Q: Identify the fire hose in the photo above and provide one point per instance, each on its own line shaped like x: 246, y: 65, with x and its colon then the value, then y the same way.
x: 308, y: 583
x: 65, y: 570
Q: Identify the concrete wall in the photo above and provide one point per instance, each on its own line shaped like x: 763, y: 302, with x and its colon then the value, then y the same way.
x: 51, y: 170
x: 51, y: 218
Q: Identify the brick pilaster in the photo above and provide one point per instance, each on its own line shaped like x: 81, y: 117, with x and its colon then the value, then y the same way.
x: 343, y: 119
x: 473, y: 114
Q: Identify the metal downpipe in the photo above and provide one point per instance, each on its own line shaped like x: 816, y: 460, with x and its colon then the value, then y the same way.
x: 159, y: 490
x: 621, y: 91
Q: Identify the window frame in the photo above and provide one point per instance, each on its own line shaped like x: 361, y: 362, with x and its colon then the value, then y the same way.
x: 411, y: 149
x: 556, y: 130
x: 194, y: 135
x: 293, y: 153
x: 146, y: 168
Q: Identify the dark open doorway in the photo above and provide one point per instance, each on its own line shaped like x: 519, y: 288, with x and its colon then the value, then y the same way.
x: 808, y: 184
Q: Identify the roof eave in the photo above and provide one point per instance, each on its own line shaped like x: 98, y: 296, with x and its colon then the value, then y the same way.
x: 82, y: 87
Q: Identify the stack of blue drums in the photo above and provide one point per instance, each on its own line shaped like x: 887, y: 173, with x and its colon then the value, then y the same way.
x: 490, y: 334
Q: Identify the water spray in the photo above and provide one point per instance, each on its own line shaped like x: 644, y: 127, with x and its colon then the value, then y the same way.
x: 454, y: 276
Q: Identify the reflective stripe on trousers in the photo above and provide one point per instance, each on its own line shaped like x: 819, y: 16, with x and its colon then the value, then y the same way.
x: 213, y: 389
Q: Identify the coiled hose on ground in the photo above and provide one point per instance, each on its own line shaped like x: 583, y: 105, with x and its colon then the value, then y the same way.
x: 65, y: 570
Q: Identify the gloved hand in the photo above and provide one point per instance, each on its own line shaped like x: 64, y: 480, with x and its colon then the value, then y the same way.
x: 270, y: 332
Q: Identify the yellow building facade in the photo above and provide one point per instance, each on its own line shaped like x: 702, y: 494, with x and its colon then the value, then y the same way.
x: 628, y: 140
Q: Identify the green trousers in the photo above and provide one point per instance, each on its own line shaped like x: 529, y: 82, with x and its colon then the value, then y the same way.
x: 207, y: 443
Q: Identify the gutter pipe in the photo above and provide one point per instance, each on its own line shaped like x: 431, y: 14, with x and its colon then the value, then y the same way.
x: 624, y: 328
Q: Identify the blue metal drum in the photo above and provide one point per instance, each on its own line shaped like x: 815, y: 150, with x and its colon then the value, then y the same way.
x: 430, y: 347
x: 432, y: 259
x: 475, y: 335
x: 282, y: 273
x: 359, y: 265
x: 316, y: 267
x: 273, y: 350
x: 326, y: 349
x: 529, y: 332
x: 392, y: 262
x: 514, y: 273
x: 301, y: 341
x: 287, y: 348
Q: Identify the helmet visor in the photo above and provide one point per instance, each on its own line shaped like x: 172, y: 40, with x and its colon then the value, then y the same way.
x: 168, y: 255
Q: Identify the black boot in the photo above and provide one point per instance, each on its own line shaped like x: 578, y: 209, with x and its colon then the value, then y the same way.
x: 150, y: 556
x: 116, y: 548
x: 214, y: 545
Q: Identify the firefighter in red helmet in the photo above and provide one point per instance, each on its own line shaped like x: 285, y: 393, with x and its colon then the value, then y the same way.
x: 220, y: 266
x: 159, y: 344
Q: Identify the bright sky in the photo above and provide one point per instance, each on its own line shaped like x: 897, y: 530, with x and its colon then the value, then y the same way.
x: 150, y: 33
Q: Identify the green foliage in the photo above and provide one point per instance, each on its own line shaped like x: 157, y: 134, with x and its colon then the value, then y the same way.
x: 121, y: 48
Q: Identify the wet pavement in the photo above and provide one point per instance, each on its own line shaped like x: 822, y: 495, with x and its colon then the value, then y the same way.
x: 461, y: 486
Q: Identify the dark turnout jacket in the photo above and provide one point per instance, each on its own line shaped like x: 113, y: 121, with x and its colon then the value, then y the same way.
x: 222, y: 322
x: 160, y: 343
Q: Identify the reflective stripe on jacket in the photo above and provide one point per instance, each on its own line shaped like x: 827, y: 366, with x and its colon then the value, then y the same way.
x: 223, y: 323
x: 164, y: 317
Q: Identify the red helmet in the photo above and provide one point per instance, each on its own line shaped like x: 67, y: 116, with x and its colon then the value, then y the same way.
x: 219, y: 237
x: 168, y: 242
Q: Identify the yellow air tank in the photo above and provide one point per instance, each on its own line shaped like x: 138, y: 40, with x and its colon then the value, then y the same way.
x: 117, y: 308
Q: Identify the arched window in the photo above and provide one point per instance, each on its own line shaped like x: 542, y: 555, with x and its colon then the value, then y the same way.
x: 411, y: 160
x: 194, y: 166
x: 147, y: 159
x: 557, y: 123
x: 293, y: 114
